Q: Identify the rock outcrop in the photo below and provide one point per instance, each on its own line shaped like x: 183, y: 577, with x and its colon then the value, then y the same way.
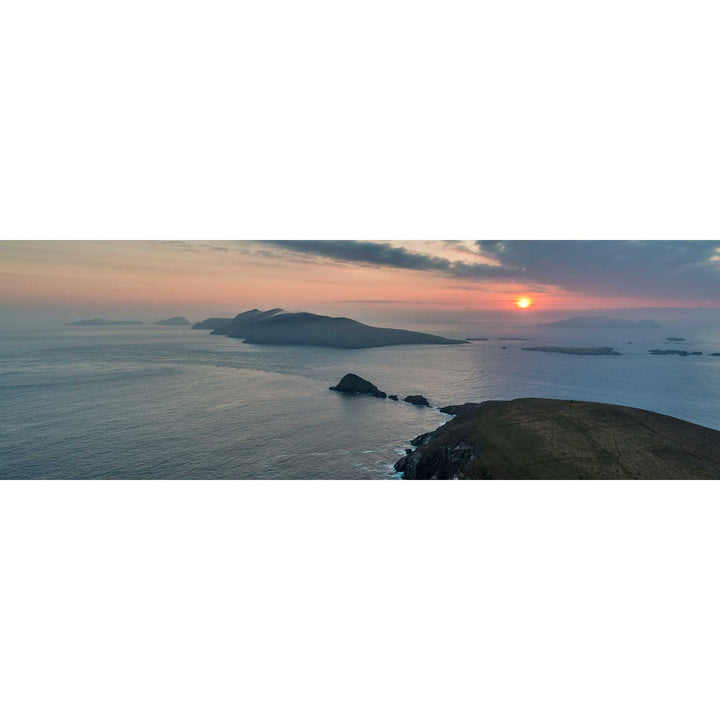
x: 417, y: 400
x: 395, y: 397
x: 355, y: 385
x: 537, y: 438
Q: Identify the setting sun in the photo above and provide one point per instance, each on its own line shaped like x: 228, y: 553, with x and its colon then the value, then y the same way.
x: 524, y: 302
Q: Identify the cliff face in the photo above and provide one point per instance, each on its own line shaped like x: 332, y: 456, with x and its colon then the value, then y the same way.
x: 562, y: 439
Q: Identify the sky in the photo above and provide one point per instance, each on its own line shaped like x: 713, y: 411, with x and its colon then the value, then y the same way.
x: 362, y: 279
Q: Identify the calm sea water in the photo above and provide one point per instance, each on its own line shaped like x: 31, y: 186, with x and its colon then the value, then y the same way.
x: 149, y: 402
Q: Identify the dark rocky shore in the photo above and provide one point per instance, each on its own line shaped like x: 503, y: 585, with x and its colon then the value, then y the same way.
x: 537, y: 438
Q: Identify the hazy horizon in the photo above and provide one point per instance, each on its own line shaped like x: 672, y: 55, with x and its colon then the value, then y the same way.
x: 420, y: 283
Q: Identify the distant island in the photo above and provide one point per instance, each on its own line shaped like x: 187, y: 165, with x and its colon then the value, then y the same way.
x: 538, y: 438
x: 512, y: 338
x: 683, y: 353
x: 474, y: 339
x: 601, y: 321
x: 213, y: 323
x: 102, y: 321
x: 177, y: 320
x: 576, y: 351
x: 279, y: 327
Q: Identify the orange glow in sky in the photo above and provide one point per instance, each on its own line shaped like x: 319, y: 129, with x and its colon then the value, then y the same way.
x: 121, y: 279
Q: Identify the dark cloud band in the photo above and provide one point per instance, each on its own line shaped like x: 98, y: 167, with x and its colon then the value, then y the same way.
x: 670, y: 269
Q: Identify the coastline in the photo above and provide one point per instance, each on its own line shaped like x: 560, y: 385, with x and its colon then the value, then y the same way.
x: 541, y: 438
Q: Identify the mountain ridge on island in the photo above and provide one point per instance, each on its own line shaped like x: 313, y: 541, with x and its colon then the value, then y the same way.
x: 211, y: 323
x: 280, y: 327
x: 601, y: 321
x: 103, y: 321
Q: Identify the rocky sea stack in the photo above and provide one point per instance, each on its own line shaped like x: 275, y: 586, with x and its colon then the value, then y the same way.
x: 355, y: 385
x: 417, y: 400
x: 537, y: 438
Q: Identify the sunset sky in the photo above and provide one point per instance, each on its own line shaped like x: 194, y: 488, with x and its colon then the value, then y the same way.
x: 365, y: 278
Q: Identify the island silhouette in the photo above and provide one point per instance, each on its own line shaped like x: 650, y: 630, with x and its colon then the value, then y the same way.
x: 280, y: 327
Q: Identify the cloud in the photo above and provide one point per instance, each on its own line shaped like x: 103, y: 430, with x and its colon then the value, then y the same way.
x: 382, y: 254
x: 193, y: 246
x: 673, y: 269
x: 667, y: 268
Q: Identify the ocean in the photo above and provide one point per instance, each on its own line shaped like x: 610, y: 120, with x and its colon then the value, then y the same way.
x: 149, y: 402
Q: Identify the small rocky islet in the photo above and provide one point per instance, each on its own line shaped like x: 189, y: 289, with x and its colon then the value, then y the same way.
x: 575, y: 350
x: 355, y: 385
x: 682, y: 353
x: 352, y: 384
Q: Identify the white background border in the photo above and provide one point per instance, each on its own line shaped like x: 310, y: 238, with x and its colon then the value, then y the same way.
x: 359, y: 120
